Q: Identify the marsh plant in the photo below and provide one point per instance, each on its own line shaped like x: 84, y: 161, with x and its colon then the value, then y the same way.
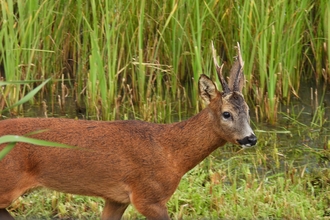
x: 126, y: 57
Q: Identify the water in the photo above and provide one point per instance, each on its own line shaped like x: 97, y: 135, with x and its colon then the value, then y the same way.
x: 302, y: 133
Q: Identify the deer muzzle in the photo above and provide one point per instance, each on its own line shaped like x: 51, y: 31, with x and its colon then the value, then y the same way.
x: 248, y: 141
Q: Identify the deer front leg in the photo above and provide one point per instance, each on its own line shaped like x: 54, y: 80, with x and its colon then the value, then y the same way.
x: 153, y: 211
x: 150, y: 205
x: 113, y: 210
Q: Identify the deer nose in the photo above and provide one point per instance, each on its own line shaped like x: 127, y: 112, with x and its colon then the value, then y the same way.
x: 248, y: 141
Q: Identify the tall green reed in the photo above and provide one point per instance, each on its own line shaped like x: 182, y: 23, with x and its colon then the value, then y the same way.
x: 273, y: 31
x: 326, y: 25
x: 22, y: 48
x: 317, y: 41
x: 142, y: 59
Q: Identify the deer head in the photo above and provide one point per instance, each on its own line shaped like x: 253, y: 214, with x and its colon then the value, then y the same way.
x: 229, y: 107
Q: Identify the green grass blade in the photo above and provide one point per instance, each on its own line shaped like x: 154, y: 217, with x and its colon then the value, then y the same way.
x: 6, y: 150
x: 13, y: 139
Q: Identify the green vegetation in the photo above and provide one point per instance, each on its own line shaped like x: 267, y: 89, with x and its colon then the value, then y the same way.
x: 137, y: 59
x: 141, y: 59
x: 13, y: 139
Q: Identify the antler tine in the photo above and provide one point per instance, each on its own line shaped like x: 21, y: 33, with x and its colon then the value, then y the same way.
x: 219, y: 71
x: 239, y: 78
x: 240, y: 59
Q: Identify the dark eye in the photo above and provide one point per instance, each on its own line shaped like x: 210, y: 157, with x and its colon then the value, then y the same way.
x: 226, y: 115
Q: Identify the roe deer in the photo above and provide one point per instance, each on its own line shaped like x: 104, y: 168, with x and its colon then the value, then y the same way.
x: 125, y: 161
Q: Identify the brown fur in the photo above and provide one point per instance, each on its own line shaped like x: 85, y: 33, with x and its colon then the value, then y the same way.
x: 122, y: 161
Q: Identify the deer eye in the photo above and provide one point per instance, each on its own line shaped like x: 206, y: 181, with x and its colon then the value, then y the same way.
x: 226, y: 115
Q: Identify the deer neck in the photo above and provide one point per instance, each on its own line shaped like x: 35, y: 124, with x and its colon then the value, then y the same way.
x: 192, y: 140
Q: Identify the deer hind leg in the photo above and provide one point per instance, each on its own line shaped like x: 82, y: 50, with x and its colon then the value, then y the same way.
x: 4, y: 215
x: 113, y: 210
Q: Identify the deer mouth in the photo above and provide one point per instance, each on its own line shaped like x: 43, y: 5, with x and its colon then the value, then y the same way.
x: 248, y: 141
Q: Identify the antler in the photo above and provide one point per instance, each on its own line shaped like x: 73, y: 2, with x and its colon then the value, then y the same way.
x: 238, y: 67
x: 219, y: 71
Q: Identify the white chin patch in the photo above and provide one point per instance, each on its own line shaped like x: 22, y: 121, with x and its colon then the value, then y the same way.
x: 246, y: 145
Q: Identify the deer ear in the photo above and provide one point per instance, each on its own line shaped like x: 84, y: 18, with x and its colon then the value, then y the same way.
x: 207, y: 89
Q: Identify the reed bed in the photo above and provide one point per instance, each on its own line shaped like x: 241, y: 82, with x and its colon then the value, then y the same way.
x: 120, y: 58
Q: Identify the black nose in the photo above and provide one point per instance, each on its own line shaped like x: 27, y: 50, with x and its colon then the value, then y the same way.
x: 248, y: 141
